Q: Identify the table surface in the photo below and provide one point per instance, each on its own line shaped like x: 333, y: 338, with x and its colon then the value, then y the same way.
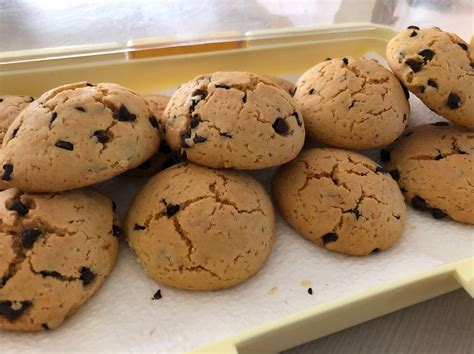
x: 441, y: 325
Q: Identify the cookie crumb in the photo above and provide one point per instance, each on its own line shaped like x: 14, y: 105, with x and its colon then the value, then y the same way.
x: 272, y: 290
x: 305, y: 283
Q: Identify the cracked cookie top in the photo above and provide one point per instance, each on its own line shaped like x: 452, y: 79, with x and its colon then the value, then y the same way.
x: 434, y: 166
x: 76, y: 135
x: 56, y: 250
x: 201, y: 229
x: 438, y: 67
x: 352, y: 103
x: 234, y: 119
x: 340, y: 200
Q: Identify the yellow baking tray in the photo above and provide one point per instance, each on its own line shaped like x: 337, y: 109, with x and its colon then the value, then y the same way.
x: 152, y: 65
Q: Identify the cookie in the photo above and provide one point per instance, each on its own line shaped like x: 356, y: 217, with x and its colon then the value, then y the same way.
x: 438, y: 67
x: 76, y: 135
x: 56, y: 251
x: 282, y: 83
x: 196, y: 228
x: 434, y: 167
x: 352, y: 103
x: 234, y: 119
x: 341, y: 201
x: 10, y: 107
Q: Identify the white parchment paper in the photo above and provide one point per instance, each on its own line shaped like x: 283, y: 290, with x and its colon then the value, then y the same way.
x: 123, y: 317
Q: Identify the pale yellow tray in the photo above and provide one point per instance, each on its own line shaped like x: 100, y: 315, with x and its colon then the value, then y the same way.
x: 151, y: 66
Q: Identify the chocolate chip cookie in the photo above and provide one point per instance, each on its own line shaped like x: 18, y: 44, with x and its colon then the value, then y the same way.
x: 56, y: 251
x: 438, y: 67
x: 234, y: 119
x: 340, y: 200
x: 201, y: 229
x: 76, y: 135
x: 352, y: 103
x: 434, y: 167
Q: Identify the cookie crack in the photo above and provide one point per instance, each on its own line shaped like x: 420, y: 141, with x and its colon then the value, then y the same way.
x: 184, y: 237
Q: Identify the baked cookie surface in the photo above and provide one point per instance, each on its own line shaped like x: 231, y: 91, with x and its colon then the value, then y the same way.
x: 56, y: 251
x: 438, y: 67
x: 195, y: 228
x: 352, y: 103
x: 341, y: 201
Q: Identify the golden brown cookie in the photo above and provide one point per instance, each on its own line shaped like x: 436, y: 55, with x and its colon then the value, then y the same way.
x: 434, y: 167
x: 234, y: 119
x: 196, y: 228
x: 55, y: 252
x: 352, y: 103
x: 340, y: 200
x: 438, y: 67
x: 76, y: 135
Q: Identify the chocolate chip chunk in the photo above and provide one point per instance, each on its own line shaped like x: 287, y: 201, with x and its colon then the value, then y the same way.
x: 157, y: 295
x: 195, y: 120
x: 29, y: 237
x: 171, y: 209
x: 454, y: 101
x: 413, y: 27
x: 54, y: 115
x: 427, y: 54
x: 124, y: 115
x: 438, y: 213
x: 280, y: 126
x: 439, y: 156
x: 101, y: 136
x: 345, y: 60
x: 413, y: 34
x: 117, y: 231
x: 395, y: 174
x: 199, y: 92
x: 414, y: 65
x: 164, y: 147
x: 80, y: 109
x: 7, y: 172
x: 1, y: 100
x: 311, y: 91
x: 351, y: 105
x: 463, y: 45
x: 385, y: 155
x: 19, y: 207
x: 145, y: 165
x: 244, y: 99
x: 331, y: 237
x: 154, y: 122
x: 310, y: 291
x: 12, y: 310
x: 297, y: 117
x: 15, y: 131
x: 327, y: 59
x: 432, y: 83
x: 226, y: 135
x: 184, y: 137
x: 405, y: 91
x: 380, y: 169
x: 222, y: 86
x: 396, y: 216
x: 52, y: 274
x: 137, y: 227
x: 419, y: 203
x: 87, y: 276
x: 356, y: 212
x: 90, y: 85
x: 66, y: 145
x: 440, y: 124
x: 422, y: 89
x: 199, y: 139
x: 45, y: 326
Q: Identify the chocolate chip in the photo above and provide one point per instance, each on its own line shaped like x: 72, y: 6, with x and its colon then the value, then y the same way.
x: 199, y: 139
x: 117, y: 231
x: 171, y: 209
x: 351, y: 105
x: 413, y: 27
x: 463, y: 45
x: 414, y: 65
x: 91, y: 85
x: 440, y: 124
x: 195, y: 120
x: 124, y: 115
x: 222, y: 86
x: 298, y: 120
x: 45, y: 326
x: 53, y: 118
x: 327, y: 59
x: 413, y: 34
x: 164, y: 147
x: 345, y: 60
x: 331, y: 237
x: 1, y: 100
x: 101, y: 136
x: 7, y: 172
x: 380, y: 169
x: 356, y: 212
x: 395, y: 174
x: 184, y: 137
x: 311, y: 91
x: 439, y: 156
x: 66, y: 145
x: 422, y: 89
x: 52, y: 274
x: 19, y: 207
x: 137, y: 227
x: 157, y: 295
x: 29, y: 237
x: 438, y: 213
x: 12, y: 310
x: 406, y: 92
x: 87, y: 276
x: 385, y: 155
x: 396, y: 216
x: 154, y: 122
x: 226, y: 135
x: 454, y: 101
x: 310, y: 291
x: 419, y: 203
x: 432, y: 83
x: 199, y: 92
x: 80, y: 109
x: 244, y: 99
x: 15, y: 131
x: 427, y: 54
x: 145, y: 165
x: 280, y: 126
